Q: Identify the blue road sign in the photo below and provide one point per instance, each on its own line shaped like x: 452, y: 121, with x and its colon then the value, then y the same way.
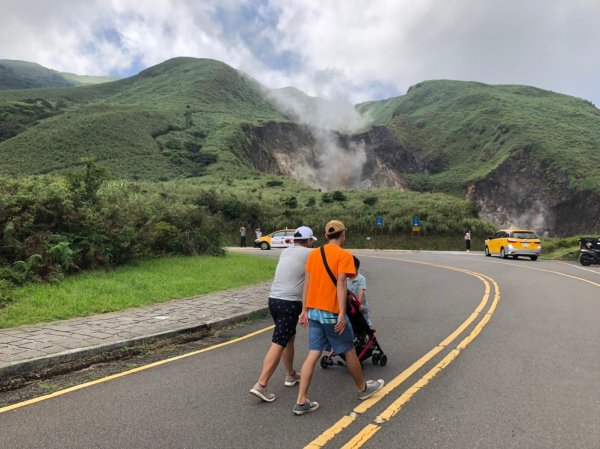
x: 416, y: 222
x: 379, y: 221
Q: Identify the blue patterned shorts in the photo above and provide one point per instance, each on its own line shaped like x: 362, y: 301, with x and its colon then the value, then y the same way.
x: 285, y: 315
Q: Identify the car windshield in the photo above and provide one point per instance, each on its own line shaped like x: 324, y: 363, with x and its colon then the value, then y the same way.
x: 523, y: 235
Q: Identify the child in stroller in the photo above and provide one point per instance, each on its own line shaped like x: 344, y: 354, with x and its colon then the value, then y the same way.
x: 365, y: 342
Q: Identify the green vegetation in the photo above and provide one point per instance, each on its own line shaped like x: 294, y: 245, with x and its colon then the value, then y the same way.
x: 561, y: 248
x: 86, y: 80
x: 27, y: 75
x: 51, y: 226
x: 182, y: 118
x: 149, y: 282
x: 468, y: 129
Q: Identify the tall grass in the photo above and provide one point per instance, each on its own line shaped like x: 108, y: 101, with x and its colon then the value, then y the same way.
x: 130, y: 286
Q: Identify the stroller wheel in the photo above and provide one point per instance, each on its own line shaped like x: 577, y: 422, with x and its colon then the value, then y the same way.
x: 383, y: 360
x: 376, y: 358
x: 324, y: 361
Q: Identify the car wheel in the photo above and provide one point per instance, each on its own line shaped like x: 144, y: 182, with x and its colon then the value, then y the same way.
x: 534, y: 258
x: 264, y: 246
x: 487, y: 252
x: 585, y: 260
x: 503, y: 253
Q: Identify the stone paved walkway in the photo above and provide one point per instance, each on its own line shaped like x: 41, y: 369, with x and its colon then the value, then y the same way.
x: 32, y: 347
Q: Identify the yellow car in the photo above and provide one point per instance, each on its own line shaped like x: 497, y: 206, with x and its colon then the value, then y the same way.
x: 278, y: 239
x: 514, y: 243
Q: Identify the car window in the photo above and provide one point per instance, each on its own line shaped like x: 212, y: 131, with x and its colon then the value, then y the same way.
x: 279, y: 234
x: 504, y: 234
x: 290, y: 233
x: 523, y: 235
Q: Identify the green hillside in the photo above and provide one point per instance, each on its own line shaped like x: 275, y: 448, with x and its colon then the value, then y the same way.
x: 28, y: 75
x: 86, y: 80
x: 471, y: 128
x: 180, y: 118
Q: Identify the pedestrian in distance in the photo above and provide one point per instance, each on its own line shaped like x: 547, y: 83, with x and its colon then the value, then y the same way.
x: 285, y: 305
x: 258, y: 233
x: 243, y: 236
x: 468, y: 241
x: 324, y: 312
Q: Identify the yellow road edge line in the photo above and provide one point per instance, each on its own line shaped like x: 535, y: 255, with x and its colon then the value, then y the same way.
x: 553, y: 272
x: 331, y: 432
x: 362, y: 437
x: 394, y: 408
x: 341, y: 424
x: 132, y: 371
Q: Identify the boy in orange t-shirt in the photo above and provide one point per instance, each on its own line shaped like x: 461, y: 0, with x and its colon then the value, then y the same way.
x: 324, y: 311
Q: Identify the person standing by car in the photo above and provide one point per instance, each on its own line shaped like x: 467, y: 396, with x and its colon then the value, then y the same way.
x: 468, y: 241
x: 285, y: 305
x: 324, y: 311
x: 243, y: 236
x: 258, y: 233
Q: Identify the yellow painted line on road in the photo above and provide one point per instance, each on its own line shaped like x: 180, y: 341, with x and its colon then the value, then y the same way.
x: 132, y: 371
x: 390, y: 386
x: 550, y: 271
x: 393, y: 409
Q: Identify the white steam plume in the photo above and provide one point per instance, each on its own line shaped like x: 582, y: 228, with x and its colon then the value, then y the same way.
x: 336, y: 166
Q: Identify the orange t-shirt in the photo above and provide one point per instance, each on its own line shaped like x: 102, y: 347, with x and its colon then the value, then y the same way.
x: 322, y: 292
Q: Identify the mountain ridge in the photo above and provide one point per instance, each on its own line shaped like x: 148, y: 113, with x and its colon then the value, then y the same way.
x: 198, y: 117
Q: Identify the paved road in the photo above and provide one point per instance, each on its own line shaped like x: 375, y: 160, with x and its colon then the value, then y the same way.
x: 482, y: 353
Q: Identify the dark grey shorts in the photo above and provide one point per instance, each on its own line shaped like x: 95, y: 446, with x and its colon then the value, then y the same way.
x: 285, y: 315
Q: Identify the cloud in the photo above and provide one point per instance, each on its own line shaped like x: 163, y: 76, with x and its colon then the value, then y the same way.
x: 362, y: 50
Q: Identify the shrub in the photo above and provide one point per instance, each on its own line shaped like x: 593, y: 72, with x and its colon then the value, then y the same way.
x: 338, y: 196
x: 326, y: 198
x: 274, y: 183
x: 370, y: 200
x: 5, y: 292
x: 291, y: 202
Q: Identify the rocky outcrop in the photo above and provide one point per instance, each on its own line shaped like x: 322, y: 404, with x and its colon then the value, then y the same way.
x: 330, y: 160
x: 521, y: 193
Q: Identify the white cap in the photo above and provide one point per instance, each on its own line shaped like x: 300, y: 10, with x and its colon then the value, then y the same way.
x: 304, y: 233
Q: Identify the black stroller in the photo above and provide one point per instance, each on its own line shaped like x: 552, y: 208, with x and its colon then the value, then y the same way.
x: 589, y: 250
x: 365, y: 342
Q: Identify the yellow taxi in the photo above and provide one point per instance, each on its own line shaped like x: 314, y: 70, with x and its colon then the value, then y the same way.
x: 514, y: 243
x: 278, y: 239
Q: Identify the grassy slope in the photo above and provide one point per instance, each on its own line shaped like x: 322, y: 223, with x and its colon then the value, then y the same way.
x: 130, y: 286
x: 86, y: 80
x: 25, y: 75
x: 474, y: 127
x: 148, y: 126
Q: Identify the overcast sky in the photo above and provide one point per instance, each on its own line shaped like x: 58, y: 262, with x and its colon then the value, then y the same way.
x: 360, y: 49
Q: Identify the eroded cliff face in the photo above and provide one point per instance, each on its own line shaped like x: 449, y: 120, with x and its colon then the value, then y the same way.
x: 329, y: 160
x: 520, y: 193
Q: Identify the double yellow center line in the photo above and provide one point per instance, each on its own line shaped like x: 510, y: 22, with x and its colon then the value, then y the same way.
x: 369, y: 430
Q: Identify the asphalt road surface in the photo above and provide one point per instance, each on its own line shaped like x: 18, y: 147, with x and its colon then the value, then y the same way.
x: 482, y: 353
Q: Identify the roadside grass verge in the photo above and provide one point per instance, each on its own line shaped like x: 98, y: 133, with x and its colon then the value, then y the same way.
x: 561, y: 248
x: 145, y: 283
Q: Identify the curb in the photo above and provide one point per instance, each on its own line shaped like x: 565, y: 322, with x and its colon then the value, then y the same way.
x: 13, y: 369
